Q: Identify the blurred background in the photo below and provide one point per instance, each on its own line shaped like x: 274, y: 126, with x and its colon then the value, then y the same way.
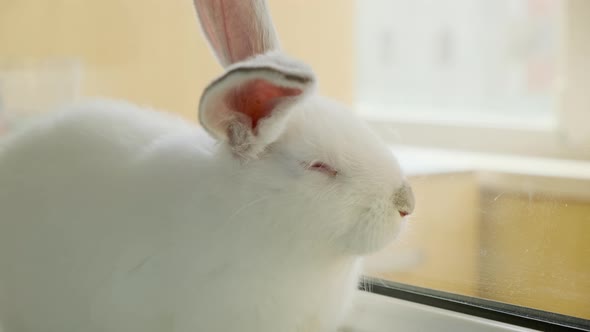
x: 151, y: 52
x: 484, y: 101
x: 459, y: 59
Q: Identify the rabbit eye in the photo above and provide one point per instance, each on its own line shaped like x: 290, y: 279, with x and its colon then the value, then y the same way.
x: 322, y: 167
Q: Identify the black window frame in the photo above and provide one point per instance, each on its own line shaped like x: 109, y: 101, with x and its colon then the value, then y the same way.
x: 498, y: 311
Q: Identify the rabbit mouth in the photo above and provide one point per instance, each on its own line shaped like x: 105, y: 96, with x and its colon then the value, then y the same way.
x: 372, y: 230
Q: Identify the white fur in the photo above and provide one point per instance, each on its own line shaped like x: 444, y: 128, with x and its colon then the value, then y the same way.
x: 116, y: 218
x: 121, y: 219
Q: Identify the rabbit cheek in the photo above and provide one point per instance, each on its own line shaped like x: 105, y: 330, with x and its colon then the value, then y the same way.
x: 373, y: 229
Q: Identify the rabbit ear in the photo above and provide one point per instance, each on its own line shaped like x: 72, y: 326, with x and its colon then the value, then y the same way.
x: 237, y: 29
x: 248, y: 106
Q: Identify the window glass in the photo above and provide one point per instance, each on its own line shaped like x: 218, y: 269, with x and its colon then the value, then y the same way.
x: 507, y: 228
x: 519, y: 236
x: 476, y: 60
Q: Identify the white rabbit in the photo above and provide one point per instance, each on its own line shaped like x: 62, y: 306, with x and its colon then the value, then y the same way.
x: 117, y: 218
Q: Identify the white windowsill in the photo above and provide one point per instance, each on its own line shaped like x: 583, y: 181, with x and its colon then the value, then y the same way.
x: 502, y: 172
x: 526, y: 121
x: 418, y: 160
x: 540, y: 139
x: 376, y: 313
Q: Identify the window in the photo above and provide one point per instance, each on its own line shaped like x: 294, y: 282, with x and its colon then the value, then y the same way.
x: 517, y: 236
x: 495, y: 76
x: 475, y: 96
x: 459, y: 60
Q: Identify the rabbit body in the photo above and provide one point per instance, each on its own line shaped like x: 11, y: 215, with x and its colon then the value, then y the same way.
x: 116, y: 218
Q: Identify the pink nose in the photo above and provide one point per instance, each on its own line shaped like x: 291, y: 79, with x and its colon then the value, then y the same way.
x: 403, y: 200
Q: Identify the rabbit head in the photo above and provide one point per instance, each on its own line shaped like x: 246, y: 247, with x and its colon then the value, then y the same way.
x: 344, y: 185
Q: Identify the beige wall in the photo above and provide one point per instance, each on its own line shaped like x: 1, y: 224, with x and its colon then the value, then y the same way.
x: 151, y: 51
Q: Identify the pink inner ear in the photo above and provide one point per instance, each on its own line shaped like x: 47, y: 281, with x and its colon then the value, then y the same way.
x: 258, y: 98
